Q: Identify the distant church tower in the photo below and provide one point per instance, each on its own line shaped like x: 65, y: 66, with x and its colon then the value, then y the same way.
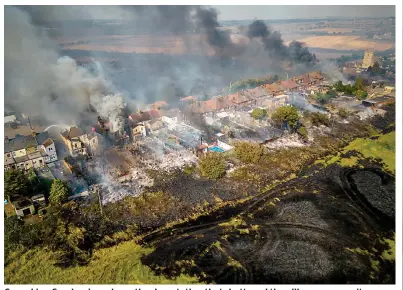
x: 369, y: 59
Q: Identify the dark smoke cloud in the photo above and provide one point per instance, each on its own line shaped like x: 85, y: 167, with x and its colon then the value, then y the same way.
x: 272, y: 41
x: 219, y: 40
x: 274, y: 44
x: 300, y: 54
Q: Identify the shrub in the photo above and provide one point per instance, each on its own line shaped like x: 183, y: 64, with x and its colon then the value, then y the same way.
x: 318, y: 119
x: 212, y: 165
x: 248, y: 152
x: 189, y: 169
x: 286, y: 113
x: 360, y: 94
x: 303, y: 133
x: 259, y: 113
x: 343, y: 113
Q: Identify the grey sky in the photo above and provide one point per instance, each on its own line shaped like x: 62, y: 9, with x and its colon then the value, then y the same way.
x: 239, y: 12
x: 226, y: 12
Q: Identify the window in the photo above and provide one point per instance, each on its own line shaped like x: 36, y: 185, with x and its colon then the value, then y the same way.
x: 40, y: 161
x: 8, y: 155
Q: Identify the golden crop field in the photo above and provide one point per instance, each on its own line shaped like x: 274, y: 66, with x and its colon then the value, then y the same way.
x: 345, y: 43
x: 331, y: 30
x: 136, y: 43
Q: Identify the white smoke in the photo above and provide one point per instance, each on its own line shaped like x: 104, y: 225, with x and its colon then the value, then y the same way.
x: 37, y: 81
x: 110, y: 106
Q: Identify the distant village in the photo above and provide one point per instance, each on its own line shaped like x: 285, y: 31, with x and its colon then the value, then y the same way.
x: 167, y: 137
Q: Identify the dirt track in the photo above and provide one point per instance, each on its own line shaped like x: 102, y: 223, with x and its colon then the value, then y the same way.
x: 296, y: 233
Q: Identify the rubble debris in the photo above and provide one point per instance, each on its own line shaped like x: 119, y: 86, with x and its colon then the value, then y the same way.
x: 171, y: 161
x: 286, y: 141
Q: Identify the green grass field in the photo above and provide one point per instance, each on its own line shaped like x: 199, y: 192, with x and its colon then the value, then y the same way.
x: 382, y: 148
x: 116, y: 265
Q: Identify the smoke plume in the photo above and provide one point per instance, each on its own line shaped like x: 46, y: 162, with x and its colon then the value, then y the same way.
x: 38, y: 82
x: 274, y: 45
x: 272, y: 41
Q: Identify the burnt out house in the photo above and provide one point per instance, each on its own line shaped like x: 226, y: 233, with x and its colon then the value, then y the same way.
x: 23, y: 207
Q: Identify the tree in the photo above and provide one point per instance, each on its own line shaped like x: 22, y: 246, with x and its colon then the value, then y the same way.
x: 258, y: 113
x: 212, y: 165
x: 16, y: 183
x: 286, y: 113
x: 248, y: 152
x: 339, y: 86
x: 360, y: 94
x: 59, y: 192
x: 376, y: 68
x: 358, y: 85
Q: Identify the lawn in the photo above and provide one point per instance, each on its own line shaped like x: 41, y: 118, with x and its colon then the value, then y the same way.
x: 116, y: 265
x: 8, y: 208
x: 382, y: 148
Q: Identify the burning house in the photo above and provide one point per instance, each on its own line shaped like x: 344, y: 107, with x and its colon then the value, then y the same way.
x: 143, y: 123
x: 75, y: 140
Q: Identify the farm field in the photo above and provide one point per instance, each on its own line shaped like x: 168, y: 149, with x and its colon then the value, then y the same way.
x: 345, y: 43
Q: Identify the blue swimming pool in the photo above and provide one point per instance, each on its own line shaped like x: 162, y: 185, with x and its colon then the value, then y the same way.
x: 216, y: 149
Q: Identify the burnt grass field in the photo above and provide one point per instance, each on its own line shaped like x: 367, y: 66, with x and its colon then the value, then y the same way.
x: 306, y: 230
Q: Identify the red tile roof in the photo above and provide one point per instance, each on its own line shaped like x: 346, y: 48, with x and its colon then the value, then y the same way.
x: 48, y: 142
x: 145, y: 116
x: 289, y: 84
x: 303, y: 80
x: 188, y: 99
x: 316, y: 75
x: 257, y: 92
x: 239, y: 98
x: 159, y: 104
x: 140, y: 117
x: 154, y: 114
x: 273, y: 88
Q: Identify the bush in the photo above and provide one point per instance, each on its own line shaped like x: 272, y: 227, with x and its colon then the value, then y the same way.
x: 212, y: 165
x: 343, y: 113
x: 189, y: 169
x: 286, y: 113
x: 248, y: 152
x: 303, y: 133
x: 318, y: 119
x: 360, y: 94
x: 259, y: 113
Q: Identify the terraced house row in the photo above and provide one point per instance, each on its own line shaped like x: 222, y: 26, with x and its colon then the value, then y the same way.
x: 32, y: 151
x: 269, y: 96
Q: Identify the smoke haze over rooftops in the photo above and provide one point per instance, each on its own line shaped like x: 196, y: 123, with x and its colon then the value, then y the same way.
x: 38, y: 78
